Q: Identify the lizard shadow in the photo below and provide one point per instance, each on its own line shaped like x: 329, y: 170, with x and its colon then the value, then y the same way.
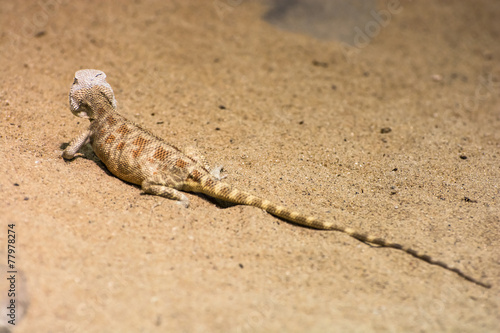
x: 217, y: 202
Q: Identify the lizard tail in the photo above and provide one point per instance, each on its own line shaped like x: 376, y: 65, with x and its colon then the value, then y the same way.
x: 226, y: 192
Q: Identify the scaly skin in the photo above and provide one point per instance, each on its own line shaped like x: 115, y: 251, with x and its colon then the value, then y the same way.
x: 137, y: 156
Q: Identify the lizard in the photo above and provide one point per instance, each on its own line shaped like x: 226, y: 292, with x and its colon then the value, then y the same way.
x: 138, y: 156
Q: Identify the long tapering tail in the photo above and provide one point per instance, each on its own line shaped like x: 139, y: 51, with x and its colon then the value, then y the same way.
x: 224, y: 191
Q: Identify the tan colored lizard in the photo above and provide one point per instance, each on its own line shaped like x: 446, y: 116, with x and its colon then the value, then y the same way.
x: 137, y: 156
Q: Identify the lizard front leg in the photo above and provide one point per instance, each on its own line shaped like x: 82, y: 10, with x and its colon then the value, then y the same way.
x: 152, y: 187
x: 76, y: 144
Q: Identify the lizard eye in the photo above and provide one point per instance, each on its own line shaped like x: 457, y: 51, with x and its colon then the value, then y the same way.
x: 75, y: 80
x: 98, y: 74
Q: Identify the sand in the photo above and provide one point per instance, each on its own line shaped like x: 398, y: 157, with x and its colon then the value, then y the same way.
x: 394, y: 129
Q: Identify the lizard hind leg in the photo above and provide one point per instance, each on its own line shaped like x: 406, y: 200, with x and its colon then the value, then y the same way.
x: 151, y: 187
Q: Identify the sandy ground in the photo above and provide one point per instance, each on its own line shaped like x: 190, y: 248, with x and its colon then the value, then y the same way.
x: 296, y: 119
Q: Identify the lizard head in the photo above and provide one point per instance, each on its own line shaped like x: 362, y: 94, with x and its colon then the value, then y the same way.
x: 89, y: 89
